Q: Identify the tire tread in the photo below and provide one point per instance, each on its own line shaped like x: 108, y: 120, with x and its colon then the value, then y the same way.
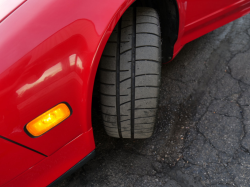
x: 146, y: 78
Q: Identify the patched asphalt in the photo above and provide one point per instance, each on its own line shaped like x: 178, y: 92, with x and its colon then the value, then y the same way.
x: 202, y: 134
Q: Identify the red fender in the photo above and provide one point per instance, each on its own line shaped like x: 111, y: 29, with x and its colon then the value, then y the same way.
x: 49, y: 53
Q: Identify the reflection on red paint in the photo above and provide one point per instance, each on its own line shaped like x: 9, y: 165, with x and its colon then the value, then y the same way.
x: 55, y: 71
x: 48, y: 74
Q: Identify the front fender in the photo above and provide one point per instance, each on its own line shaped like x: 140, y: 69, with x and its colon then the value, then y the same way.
x: 49, y: 53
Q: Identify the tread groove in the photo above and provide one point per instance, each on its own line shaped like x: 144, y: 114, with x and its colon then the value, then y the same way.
x: 147, y: 23
x: 146, y: 98
x: 108, y: 114
x: 147, y: 33
x: 111, y: 95
x: 106, y: 84
x: 110, y: 70
x: 107, y: 106
x: 127, y: 26
x: 108, y: 121
x: 149, y: 60
x: 125, y: 51
x: 149, y: 16
x: 125, y: 79
x: 139, y: 24
x: 146, y: 117
x: 125, y: 103
x: 133, y: 59
x: 138, y: 47
x: 109, y: 127
x: 144, y: 108
x: 147, y: 46
x: 111, y: 114
x: 146, y: 74
x: 143, y: 123
x: 138, y: 118
x: 145, y: 87
x: 118, y: 78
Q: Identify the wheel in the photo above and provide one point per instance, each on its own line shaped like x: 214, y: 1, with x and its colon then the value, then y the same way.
x: 130, y: 71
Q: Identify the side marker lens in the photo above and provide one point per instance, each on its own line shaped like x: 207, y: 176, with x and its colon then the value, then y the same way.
x: 48, y: 120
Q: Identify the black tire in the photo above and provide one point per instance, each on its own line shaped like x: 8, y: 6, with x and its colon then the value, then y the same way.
x: 130, y: 76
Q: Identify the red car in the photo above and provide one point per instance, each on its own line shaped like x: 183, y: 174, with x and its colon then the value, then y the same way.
x: 50, y: 51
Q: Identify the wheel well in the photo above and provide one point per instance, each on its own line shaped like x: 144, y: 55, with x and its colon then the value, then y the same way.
x: 169, y: 20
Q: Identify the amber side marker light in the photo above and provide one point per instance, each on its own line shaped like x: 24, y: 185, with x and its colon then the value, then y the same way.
x: 48, y: 120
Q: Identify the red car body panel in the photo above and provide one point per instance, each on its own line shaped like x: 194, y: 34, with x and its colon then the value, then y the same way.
x: 11, y: 165
x: 49, y: 53
x: 53, y: 61
x: 7, y: 7
x: 50, y: 168
x: 197, y: 17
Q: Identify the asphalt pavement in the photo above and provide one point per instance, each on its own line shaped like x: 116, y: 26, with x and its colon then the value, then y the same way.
x: 202, y: 134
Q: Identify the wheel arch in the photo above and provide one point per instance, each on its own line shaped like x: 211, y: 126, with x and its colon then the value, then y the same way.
x: 169, y: 18
x: 51, y: 56
x: 95, y: 62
